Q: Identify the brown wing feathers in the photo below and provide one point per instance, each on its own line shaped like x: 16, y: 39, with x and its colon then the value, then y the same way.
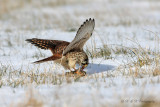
x: 54, y: 45
x: 43, y: 44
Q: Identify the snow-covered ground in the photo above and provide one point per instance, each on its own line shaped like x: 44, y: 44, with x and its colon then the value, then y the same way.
x: 128, y: 76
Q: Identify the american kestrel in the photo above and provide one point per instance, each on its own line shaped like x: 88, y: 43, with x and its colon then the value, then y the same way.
x: 68, y: 54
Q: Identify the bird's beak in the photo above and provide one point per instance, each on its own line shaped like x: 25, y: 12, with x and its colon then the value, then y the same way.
x: 84, y: 66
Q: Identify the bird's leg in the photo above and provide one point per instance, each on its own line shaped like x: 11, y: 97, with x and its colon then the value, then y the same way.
x: 75, y: 70
x: 79, y: 71
x: 84, y: 66
x: 74, y: 67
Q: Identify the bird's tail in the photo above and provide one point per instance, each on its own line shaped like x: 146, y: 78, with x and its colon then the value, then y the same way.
x: 51, y: 58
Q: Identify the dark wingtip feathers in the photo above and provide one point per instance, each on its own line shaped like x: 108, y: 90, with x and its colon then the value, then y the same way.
x: 28, y: 40
x: 31, y: 40
x: 38, y: 42
x: 90, y: 20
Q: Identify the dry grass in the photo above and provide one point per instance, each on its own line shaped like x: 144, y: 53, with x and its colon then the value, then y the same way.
x: 40, y: 15
x: 141, y: 62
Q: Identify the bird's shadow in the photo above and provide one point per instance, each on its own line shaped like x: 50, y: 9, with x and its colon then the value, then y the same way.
x: 97, y: 68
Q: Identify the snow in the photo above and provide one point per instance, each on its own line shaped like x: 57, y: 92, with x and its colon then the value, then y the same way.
x: 116, y: 81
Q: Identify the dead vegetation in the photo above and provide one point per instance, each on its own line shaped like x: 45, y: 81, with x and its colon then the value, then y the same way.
x: 138, y: 62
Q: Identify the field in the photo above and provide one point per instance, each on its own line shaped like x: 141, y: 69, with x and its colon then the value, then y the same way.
x: 123, y: 52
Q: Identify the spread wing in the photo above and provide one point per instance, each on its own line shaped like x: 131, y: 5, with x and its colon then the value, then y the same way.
x: 83, y: 34
x: 55, y: 46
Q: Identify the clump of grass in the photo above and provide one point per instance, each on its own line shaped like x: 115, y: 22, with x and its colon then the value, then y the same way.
x: 156, y: 71
x: 138, y: 61
x: 144, y: 61
x: 108, y: 51
x: 105, y: 52
x: 9, y: 76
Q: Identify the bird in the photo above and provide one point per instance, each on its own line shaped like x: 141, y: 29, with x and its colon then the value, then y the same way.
x: 68, y: 54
